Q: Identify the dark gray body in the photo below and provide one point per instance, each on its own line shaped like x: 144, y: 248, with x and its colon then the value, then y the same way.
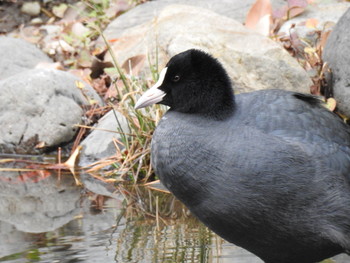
x: 272, y: 178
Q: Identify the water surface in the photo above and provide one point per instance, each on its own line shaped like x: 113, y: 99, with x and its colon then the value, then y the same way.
x: 45, y: 217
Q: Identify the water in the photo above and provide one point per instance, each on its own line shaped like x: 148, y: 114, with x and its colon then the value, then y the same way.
x: 45, y: 217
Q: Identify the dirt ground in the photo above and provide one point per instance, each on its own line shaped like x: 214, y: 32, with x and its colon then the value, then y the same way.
x: 11, y: 16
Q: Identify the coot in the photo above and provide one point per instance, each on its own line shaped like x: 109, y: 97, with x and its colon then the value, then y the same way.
x: 267, y: 170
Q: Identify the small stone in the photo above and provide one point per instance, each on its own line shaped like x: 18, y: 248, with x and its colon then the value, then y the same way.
x: 36, y: 21
x: 100, y: 143
x: 31, y: 8
x: 79, y: 29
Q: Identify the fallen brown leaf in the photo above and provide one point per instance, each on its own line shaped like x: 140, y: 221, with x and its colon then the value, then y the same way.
x: 259, y: 17
x: 134, y: 64
x: 292, y: 9
x: 331, y: 104
x: 296, y: 7
x: 311, y: 23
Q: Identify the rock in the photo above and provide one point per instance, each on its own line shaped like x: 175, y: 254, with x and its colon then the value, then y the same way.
x: 235, y: 9
x: 326, y: 13
x: 40, y: 205
x: 40, y: 106
x: 337, y: 55
x: 18, y: 55
x: 31, y: 8
x: 36, y: 21
x: 99, y: 143
x: 253, y: 61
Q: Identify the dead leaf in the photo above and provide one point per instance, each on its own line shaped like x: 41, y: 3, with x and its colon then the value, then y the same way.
x: 296, y: 7
x: 295, y: 40
x: 30, y: 34
x: 325, y: 70
x: 40, y: 145
x: 297, y: 3
x: 83, y: 74
x: 100, y: 84
x: 331, y: 104
x: 323, y: 40
x: 280, y: 13
x: 259, y: 17
x: 264, y: 25
x: 112, y: 92
x: 113, y: 40
x: 65, y: 46
x: 31, y: 177
x: 310, y: 50
x: 292, y: 9
x: 134, y: 64
x: 84, y: 59
x: 59, y: 10
x: 74, y: 12
x: 79, y: 84
x: 70, y: 164
x: 311, y: 23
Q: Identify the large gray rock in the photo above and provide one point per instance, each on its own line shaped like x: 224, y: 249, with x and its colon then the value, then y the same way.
x: 235, y: 9
x: 40, y: 205
x: 337, y: 55
x: 40, y: 106
x: 18, y: 55
x: 38, y: 202
x: 99, y: 143
x: 253, y: 61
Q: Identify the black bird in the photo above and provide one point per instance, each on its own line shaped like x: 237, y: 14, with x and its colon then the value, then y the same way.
x: 266, y: 170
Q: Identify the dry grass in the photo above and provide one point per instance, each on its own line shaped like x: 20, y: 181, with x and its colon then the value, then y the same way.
x: 132, y: 159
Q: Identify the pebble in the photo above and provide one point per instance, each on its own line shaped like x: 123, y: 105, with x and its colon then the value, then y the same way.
x: 31, y: 8
x: 36, y: 21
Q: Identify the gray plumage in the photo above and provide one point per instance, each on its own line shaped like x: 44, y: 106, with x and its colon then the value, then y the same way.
x: 271, y: 176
